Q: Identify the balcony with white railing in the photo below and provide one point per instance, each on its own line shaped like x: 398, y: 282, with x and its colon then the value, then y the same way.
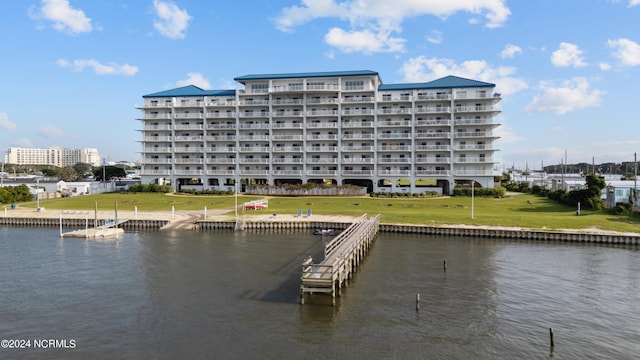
x: 188, y: 172
x: 396, y: 123
x: 322, y: 100
x: 296, y: 149
x: 433, y: 122
x: 253, y: 137
x: 221, y: 103
x: 287, y: 172
x: 157, y: 138
x: 188, y: 126
x: 222, y: 149
x: 354, y: 160
x: 472, y: 159
x: 433, y: 96
x: 154, y: 116
x: 322, y: 172
x: 357, y: 124
x: 472, y: 121
x: 319, y: 149
x: 473, y: 147
x: 287, y: 137
x: 392, y: 98
x: 221, y: 172
x: 287, y: 113
x: 221, y: 126
x: 219, y: 115
x: 394, y: 172
x: 157, y: 161
x: 254, y: 114
x: 357, y: 148
x: 189, y: 138
x: 322, y: 112
x: 189, y: 161
x: 322, y: 137
x: 433, y: 147
x: 287, y: 102
x: 395, y: 136
x: 475, y: 108
x: 322, y: 160
x: 163, y: 127
x: 358, y: 112
x: 287, y: 125
x: 432, y: 109
x: 251, y: 102
x: 256, y: 125
x: 188, y: 149
x: 243, y: 160
x: 221, y: 138
x: 323, y: 87
x: 394, y: 160
x: 187, y: 103
x: 358, y: 136
x: 394, y: 148
x: 358, y: 99
x: 432, y: 160
x: 228, y: 161
x: 287, y: 160
x: 395, y: 111
x: 472, y: 134
x: 157, y: 150
x: 254, y: 172
x: 432, y: 172
x: 191, y: 115
x: 357, y: 172
x: 322, y: 125
x: 432, y: 135
x: 257, y: 149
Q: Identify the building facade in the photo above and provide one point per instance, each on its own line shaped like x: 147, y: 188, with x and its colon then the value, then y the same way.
x: 54, y: 156
x: 331, y: 127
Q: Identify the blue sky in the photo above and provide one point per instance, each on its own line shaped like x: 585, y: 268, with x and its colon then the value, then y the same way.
x: 73, y: 71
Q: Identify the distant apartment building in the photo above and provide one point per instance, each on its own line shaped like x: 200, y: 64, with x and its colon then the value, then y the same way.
x: 343, y: 127
x: 55, y: 156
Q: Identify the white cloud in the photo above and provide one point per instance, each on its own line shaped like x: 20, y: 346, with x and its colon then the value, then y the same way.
x: 568, y: 55
x: 365, y: 41
x: 171, y: 21
x: 634, y: 3
x: 98, y: 68
x: 572, y: 95
x: 506, y: 133
x: 422, y: 69
x: 604, y: 66
x: 510, y: 51
x: 625, y: 50
x: 50, y: 131
x: 195, y: 79
x: 435, y: 37
x: 5, y: 123
x: 374, y: 24
x: 64, y: 17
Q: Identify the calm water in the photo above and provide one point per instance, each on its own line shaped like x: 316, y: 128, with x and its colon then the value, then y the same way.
x: 226, y: 295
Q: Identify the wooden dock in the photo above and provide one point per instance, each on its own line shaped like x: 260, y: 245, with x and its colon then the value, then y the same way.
x: 110, y: 230
x: 342, y: 255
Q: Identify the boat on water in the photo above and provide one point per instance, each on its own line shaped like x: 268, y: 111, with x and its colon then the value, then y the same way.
x: 324, y: 232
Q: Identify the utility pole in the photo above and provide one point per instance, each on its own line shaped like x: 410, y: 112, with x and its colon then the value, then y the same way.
x: 635, y: 180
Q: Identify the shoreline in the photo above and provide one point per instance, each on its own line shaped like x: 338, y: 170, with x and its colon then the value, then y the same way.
x: 219, y: 215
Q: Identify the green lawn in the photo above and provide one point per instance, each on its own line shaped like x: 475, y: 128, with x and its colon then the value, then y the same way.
x: 527, y: 211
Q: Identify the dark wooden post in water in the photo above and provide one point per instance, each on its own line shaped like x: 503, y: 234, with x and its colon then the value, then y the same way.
x: 418, y: 301
x: 445, y: 265
x: 551, y: 338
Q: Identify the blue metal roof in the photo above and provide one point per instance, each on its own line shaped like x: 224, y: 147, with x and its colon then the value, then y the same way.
x: 446, y: 82
x: 306, y: 75
x: 191, y: 90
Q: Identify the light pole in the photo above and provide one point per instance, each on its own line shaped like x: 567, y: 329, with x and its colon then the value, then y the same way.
x: 38, y: 194
x: 472, y: 197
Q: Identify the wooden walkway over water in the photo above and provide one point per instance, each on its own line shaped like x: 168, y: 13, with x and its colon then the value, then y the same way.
x: 342, y: 255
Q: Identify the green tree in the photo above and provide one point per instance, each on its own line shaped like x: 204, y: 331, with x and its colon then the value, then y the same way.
x: 67, y: 173
x: 82, y: 168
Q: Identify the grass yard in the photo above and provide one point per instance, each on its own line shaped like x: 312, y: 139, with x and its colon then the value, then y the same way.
x: 523, y: 210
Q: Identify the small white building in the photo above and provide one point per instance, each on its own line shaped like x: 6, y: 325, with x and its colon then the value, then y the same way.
x: 620, y: 191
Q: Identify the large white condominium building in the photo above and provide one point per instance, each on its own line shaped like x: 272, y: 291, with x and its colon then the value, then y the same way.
x: 54, y: 156
x: 344, y: 127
